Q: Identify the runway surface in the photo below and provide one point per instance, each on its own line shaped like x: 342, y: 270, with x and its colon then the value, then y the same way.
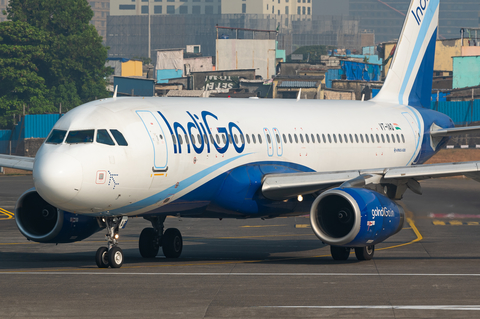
x: 253, y: 268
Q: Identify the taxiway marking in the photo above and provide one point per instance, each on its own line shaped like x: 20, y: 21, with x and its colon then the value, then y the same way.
x: 426, y: 307
x: 6, y: 213
x: 229, y: 274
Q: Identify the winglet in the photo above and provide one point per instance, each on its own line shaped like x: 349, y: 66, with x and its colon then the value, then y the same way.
x: 409, y: 80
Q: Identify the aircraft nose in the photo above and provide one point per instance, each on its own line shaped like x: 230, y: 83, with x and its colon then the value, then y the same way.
x: 57, y: 177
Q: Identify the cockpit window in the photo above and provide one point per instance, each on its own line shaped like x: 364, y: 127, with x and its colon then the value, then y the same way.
x: 56, y: 137
x: 119, y: 138
x: 84, y: 136
x: 104, y: 138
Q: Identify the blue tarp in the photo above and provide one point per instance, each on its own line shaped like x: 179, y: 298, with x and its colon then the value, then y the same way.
x: 118, y: 59
x: 334, y: 74
x: 360, y: 71
x: 442, y: 97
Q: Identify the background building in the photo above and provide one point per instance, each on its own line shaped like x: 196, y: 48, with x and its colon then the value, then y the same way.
x: 386, y: 17
x: 3, y: 6
x: 101, y: 10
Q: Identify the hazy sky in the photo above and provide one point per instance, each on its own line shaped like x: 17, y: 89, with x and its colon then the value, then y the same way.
x: 330, y: 7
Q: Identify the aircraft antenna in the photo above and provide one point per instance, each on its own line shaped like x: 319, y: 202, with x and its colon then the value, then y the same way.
x: 115, y: 92
x: 299, y: 94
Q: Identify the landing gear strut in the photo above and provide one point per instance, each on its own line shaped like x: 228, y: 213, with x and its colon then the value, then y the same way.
x: 111, y: 255
x: 151, y: 239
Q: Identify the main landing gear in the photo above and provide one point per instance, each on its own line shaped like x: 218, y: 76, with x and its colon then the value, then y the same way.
x: 111, y: 255
x: 151, y: 239
x: 362, y: 253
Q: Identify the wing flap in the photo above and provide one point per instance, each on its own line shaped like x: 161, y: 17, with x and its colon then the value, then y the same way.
x: 284, y: 186
x: 18, y: 162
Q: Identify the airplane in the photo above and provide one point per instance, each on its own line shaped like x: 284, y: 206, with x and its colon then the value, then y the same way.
x: 346, y: 163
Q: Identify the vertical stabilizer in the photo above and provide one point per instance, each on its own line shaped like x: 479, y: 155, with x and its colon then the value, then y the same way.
x: 409, y: 80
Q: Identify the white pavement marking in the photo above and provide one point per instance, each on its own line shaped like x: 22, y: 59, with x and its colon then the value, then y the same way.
x: 475, y: 308
x: 104, y: 273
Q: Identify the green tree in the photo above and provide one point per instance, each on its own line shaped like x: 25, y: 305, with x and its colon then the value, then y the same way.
x: 69, y: 57
x: 22, y: 50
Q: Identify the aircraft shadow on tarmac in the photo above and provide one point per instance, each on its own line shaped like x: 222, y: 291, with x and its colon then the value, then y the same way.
x: 197, y: 250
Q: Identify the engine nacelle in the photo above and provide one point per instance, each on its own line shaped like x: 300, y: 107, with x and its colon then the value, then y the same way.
x: 355, y: 217
x: 41, y: 222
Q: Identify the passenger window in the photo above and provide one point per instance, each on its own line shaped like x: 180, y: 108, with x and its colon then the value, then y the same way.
x: 313, y: 138
x: 268, y: 139
x: 217, y: 138
x: 398, y: 139
x: 290, y: 138
x: 371, y: 138
x: 193, y: 139
x: 383, y: 138
x: 393, y: 138
x: 199, y: 139
x: 388, y: 138
x: 205, y: 138
x: 224, y: 138
x: 187, y: 141
x: 296, y: 138
x: 253, y: 139
x: 306, y: 138
x: 235, y: 138
x: 366, y: 138
x: 329, y: 139
x: 378, y: 139
x: 259, y: 139
x: 335, y: 138
x: 180, y: 139
x: 85, y: 136
x: 174, y: 139
x: 284, y: 139
x: 56, y: 137
x: 248, y: 139
x: 242, y: 139
x: 118, y: 136
x: 361, y: 138
x: 345, y: 138
x: 318, y: 138
x: 278, y: 138
x: 104, y: 138
x: 403, y: 139
x: 324, y: 139
x: 340, y: 138
x: 230, y: 139
x: 301, y: 138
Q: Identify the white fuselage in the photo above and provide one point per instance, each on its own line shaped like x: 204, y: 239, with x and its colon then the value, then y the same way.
x: 103, y: 180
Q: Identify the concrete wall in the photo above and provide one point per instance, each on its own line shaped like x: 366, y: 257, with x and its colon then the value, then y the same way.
x: 200, y: 64
x: 466, y: 71
x: 233, y: 54
x: 356, y: 86
x: 338, y: 95
x: 470, y: 51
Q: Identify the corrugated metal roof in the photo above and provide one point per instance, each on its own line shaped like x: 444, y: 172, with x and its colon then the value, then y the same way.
x: 297, y: 84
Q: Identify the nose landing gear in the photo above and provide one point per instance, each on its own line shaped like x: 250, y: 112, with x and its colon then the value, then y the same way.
x: 151, y: 239
x: 112, y: 255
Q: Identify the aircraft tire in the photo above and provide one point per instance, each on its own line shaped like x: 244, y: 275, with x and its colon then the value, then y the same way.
x: 115, y: 257
x: 101, y: 257
x: 172, y: 243
x: 365, y: 253
x: 147, y: 243
x: 339, y: 253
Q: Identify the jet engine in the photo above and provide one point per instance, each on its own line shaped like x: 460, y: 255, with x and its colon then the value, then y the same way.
x: 355, y: 217
x: 41, y: 222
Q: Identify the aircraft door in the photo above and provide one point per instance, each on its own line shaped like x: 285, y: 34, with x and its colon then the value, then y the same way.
x: 278, y: 141
x: 268, y: 139
x: 158, y: 139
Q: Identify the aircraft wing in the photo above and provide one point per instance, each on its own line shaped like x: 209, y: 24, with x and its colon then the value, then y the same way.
x: 284, y: 186
x: 455, y: 131
x: 19, y: 162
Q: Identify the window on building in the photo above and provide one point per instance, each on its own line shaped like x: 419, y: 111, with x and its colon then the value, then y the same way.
x: 273, y: 9
x: 144, y: 0
x: 170, y: 0
x: 196, y: 9
x: 126, y: 7
x: 208, y: 9
x: 157, y: 9
x: 183, y: 10
x: 144, y: 9
x: 208, y: 0
x: 308, y: 10
x: 196, y: 0
x: 171, y: 9
x: 286, y: 10
x: 303, y: 10
x: 244, y: 8
x: 298, y: 10
x: 158, y: 0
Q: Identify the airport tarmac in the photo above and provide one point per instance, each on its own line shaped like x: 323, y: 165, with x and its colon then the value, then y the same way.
x: 254, y: 269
